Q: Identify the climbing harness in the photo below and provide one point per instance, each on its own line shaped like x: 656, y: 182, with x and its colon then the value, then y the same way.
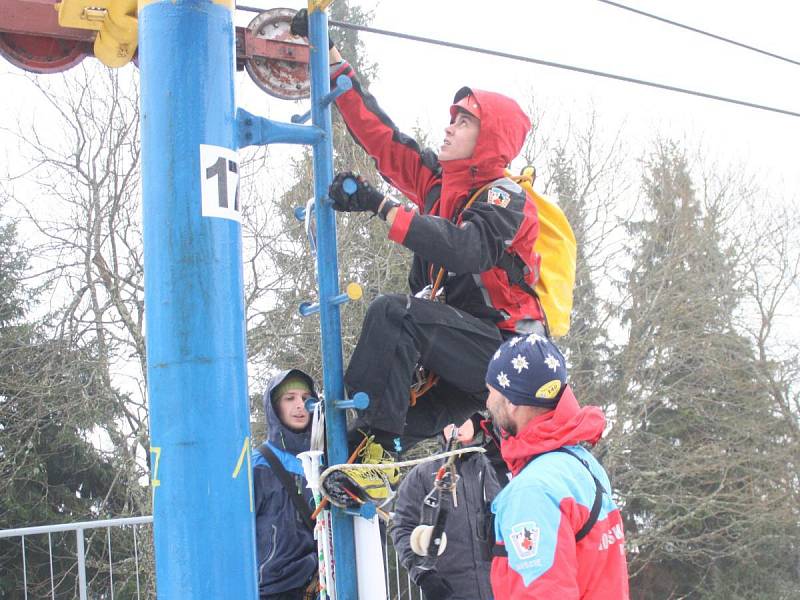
x: 424, y: 380
x: 428, y: 539
x: 554, y: 281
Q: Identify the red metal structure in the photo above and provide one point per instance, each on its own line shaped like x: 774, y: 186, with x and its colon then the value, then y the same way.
x: 32, y: 39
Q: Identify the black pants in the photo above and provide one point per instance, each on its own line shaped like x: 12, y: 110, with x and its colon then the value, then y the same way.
x: 399, y: 332
x: 295, y: 594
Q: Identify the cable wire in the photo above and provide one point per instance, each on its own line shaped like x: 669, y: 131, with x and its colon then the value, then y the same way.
x: 547, y: 63
x: 700, y: 31
x: 555, y: 65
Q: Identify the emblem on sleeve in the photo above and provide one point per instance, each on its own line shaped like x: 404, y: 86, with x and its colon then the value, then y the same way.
x: 525, y: 539
x: 498, y: 197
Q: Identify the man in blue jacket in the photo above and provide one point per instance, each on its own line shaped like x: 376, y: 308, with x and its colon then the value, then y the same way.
x: 285, y: 546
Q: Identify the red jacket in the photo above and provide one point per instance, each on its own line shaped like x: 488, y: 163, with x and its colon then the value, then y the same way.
x: 548, y: 500
x: 470, y: 243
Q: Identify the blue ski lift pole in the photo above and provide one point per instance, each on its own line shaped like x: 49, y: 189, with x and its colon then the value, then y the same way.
x: 196, y: 354
x: 327, y: 268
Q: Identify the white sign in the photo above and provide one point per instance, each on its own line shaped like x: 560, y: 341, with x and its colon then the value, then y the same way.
x: 219, y: 182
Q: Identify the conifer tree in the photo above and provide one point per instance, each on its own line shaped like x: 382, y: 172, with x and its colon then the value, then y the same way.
x: 703, y: 495
x: 586, y: 345
x: 278, y: 336
x: 52, y: 401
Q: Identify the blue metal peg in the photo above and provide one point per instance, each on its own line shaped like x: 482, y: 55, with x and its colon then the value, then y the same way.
x: 300, y: 119
x: 367, y: 511
x: 349, y: 186
x: 343, y: 84
x: 353, y: 291
x: 306, y: 309
x: 359, y: 401
x: 300, y: 213
x: 311, y: 403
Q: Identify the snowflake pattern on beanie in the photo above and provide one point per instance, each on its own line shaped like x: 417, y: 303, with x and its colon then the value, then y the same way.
x: 528, y: 370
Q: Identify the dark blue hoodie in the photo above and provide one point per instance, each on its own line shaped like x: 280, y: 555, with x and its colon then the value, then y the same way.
x: 285, y: 547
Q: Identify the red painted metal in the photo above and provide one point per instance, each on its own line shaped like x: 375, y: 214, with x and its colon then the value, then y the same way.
x: 41, y: 54
x: 276, y: 60
x: 32, y: 39
x: 37, y: 17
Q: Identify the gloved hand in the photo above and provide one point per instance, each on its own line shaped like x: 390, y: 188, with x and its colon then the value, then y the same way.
x: 299, y: 26
x: 364, y: 198
x: 434, y: 587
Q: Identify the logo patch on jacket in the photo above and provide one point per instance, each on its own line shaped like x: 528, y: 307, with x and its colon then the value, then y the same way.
x: 498, y: 197
x: 525, y: 539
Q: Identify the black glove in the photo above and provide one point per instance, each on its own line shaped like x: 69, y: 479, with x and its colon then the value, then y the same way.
x: 299, y: 26
x: 434, y: 587
x: 364, y: 198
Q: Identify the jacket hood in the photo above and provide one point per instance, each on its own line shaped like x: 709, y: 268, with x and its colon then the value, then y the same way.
x: 277, y: 433
x: 567, y: 425
x: 504, y: 127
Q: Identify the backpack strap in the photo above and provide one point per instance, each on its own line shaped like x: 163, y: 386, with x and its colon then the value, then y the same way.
x: 598, y: 497
x: 512, y: 264
x: 289, y: 483
x: 500, y: 549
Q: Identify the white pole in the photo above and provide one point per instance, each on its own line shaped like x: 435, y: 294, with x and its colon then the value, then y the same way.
x: 369, y: 558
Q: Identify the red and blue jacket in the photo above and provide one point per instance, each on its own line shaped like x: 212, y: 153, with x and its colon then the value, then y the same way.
x: 548, y: 501
x: 470, y: 244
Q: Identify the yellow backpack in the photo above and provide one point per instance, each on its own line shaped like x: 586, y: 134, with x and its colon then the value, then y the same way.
x: 557, y: 247
x: 558, y: 251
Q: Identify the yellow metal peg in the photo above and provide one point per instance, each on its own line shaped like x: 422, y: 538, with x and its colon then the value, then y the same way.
x: 354, y: 291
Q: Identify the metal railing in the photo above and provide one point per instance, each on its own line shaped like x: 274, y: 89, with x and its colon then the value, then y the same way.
x: 83, y: 566
x: 79, y: 560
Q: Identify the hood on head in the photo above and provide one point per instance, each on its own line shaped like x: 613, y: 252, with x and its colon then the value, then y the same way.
x: 504, y: 127
x: 277, y: 433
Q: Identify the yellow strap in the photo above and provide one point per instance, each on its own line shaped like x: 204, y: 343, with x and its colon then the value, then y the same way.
x: 517, y: 179
x: 318, y: 5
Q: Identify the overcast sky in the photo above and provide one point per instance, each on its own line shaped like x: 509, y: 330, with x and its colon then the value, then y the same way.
x: 416, y: 81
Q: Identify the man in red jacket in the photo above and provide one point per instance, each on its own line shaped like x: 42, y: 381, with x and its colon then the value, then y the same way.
x: 558, y: 532
x: 480, y: 250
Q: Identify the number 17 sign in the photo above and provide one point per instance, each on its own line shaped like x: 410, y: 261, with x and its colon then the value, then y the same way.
x: 219, y: 182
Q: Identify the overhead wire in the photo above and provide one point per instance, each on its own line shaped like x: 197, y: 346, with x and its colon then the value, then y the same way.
x: 547, y: 63
x: 700, y: 31
x: 555, y: 65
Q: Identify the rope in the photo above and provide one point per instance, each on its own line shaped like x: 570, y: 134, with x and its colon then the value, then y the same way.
x: 350, y: 460
x: 399, y: 465
x: 378, y: 469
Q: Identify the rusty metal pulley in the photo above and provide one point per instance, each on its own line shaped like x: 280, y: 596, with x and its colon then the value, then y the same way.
x: 40, y: 54
x: 276, y: 60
